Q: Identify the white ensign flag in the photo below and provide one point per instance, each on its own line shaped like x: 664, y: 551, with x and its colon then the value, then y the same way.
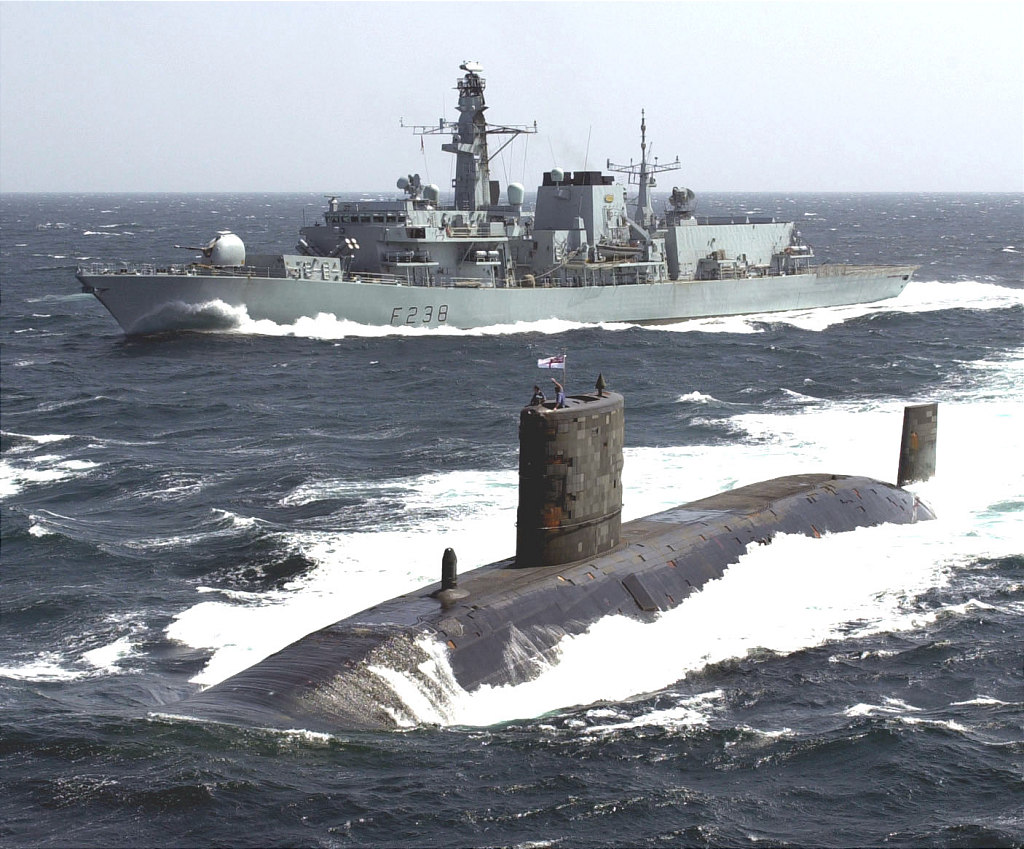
x: 552, y: 362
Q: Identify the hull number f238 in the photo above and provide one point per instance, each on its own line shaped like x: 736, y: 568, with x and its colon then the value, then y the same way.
x: 419, y: 315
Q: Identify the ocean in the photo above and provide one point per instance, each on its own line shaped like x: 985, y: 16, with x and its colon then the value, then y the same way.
x: 175, y: 508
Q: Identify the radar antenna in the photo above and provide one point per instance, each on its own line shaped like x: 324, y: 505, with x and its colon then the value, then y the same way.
x: 472, y: 183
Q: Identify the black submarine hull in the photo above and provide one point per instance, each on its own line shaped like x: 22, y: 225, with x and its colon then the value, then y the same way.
x: 503, y: 620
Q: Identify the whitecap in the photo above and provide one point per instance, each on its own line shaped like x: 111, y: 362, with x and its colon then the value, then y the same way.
x: 981, y: 701
x: 47, y: 470
x: 107, y: 658
x: 41, y: 439
x: 46, y: 666
x: 697, y: 398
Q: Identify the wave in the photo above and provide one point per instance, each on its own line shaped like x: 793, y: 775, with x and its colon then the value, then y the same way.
x: 108, y: 658
x: 37, y: 438
x: 691, y: 712
x: 46, y: 666
x: 72, y: 665
x: 983, y: 701
x: 48, y: 469
x: 222, y: 523
x: 702, y: 398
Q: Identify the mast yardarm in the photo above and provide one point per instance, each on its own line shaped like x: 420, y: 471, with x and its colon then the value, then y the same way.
x: 473, y: 186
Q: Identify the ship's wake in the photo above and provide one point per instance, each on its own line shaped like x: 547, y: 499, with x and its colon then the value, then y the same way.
x: 919, y: 296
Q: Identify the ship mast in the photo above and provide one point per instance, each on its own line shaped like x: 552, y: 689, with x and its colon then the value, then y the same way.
x: 642, y: 174
x: 473, y: 186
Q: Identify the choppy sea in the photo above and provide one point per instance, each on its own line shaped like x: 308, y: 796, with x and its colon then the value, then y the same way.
x: 175, y: 508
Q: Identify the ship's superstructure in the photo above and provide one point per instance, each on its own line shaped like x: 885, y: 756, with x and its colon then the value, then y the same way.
x: 580, y: 233
x: 582, y: 253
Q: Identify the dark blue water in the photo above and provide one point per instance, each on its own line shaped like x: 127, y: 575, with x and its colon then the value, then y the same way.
x: 176, y: 507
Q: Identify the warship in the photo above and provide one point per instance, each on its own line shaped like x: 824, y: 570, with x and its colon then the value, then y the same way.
x: 585, y: 252
x: 575, y: 563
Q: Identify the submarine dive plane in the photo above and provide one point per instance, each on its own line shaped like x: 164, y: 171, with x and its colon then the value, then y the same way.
x: 575, y: 562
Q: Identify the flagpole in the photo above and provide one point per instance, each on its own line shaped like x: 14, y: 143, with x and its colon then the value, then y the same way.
x: 557, y: 362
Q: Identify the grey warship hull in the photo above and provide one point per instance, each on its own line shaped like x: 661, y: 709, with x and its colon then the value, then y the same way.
x: 151, y: 302
x: 586, y: 252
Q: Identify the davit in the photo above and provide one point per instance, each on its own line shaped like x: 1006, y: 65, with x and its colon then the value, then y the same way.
x: 575, y: 563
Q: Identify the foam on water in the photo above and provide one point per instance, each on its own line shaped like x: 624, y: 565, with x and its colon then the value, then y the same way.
x: 108, y: 658
x: 71, y: 663
x: 919, y: 296
x: 46, y: 666
x: 329, y: 326
x: 40, y: 470
x: 691, y: 712
x: 39, y: 439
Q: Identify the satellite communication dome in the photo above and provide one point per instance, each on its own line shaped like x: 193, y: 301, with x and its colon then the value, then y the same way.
x: 226, y: 249
x: 403, y: 182
x: 557, y: 175
x: 516, y: 193
x: 431, y: 193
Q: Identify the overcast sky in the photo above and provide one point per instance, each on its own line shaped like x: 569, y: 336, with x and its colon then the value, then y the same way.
x: 751, y: 96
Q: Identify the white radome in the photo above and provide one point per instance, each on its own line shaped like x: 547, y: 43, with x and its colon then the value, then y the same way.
x: 226, y: 249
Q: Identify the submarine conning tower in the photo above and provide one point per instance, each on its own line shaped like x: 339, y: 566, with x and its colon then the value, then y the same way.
x: 570, y: 479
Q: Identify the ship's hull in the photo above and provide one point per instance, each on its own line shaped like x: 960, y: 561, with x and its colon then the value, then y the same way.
x: 162, y: 302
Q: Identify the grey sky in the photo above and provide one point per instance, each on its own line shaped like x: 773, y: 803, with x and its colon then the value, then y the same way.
x: 758, y: 96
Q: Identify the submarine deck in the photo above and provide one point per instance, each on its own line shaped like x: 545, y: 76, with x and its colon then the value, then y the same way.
x: 503, y: 620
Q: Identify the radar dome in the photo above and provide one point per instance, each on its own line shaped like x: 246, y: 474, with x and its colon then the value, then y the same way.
x: 431, y: 193
x: 225, y: 249
x: 557, y: 175
x: 516, y: 193
x: 403, y: 182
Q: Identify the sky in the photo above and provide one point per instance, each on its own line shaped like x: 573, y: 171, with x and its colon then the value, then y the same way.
x: 297, y: 96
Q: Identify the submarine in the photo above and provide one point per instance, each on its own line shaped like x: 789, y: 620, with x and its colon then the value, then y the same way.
x: 575, y: 563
